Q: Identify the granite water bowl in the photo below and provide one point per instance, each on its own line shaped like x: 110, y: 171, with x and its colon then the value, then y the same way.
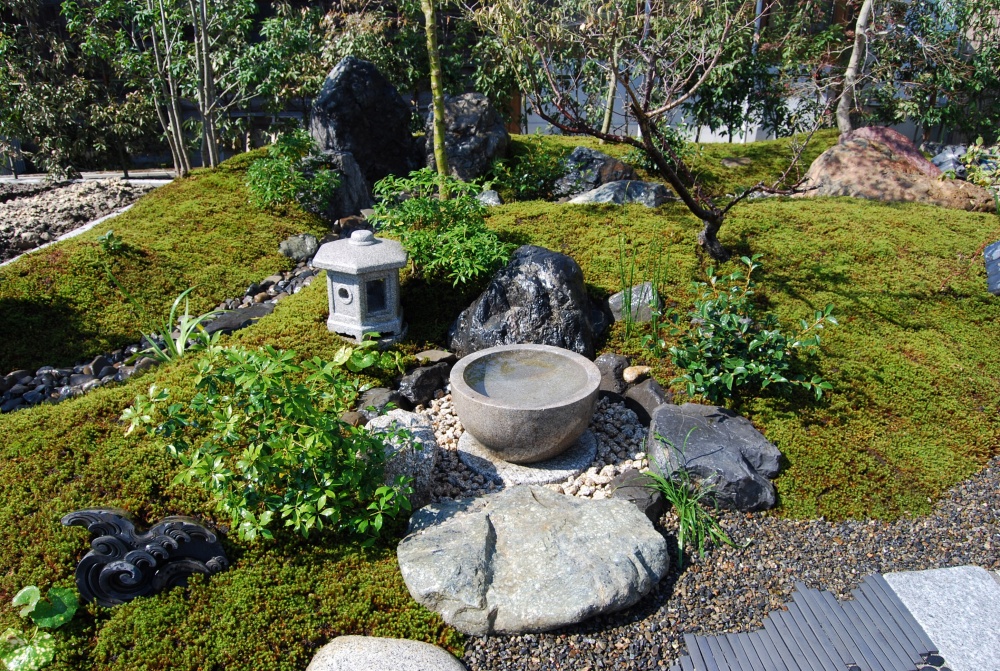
x: 525, y: 403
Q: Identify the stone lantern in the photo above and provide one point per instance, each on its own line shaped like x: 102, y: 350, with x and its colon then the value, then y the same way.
x: 362, y: 279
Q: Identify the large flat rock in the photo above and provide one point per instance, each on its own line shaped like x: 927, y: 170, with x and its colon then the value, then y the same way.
x: 529, y: 559
x: 959, y: 609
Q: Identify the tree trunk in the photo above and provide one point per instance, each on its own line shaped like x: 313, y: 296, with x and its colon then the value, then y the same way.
x: 709, y: 241
x: 437, y: 92
x: 847, y: 97
x: 609, y: 101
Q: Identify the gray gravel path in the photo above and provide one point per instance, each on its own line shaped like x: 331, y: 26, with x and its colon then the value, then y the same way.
x: 732, y: 590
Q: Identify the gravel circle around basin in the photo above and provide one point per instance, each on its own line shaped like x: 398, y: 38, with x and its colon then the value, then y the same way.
x: 729, y: 590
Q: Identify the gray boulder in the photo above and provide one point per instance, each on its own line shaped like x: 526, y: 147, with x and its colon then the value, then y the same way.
x: 528, y: 559
x: 641, y: 303
x: 490, y: 198
x: 371, y: 653
x: 587, y: 169
x: 299, y: 247
x: 360, y: 112
x: 950, y: 158
x: 644, y: 398
x: 413, y: 456
x: 539, y: 298
x: 991, y: 255
x: 234, y: 320
x: 633, y: 486
x: 474, y: 135
x: 716, y: 446
x: 622, y: 192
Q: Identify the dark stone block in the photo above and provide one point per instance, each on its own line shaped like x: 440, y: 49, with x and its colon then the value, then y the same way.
x: 633, y: 486
x: 587, y: 169
x: 238, y: 319
x: 78, y: 379
x: 612, y: 366
x: 716, y: 446
x: 418, y: 386
x: 644, y: 398
x: 992, y: 258
x: 474, y: 135
x: 374, y: 402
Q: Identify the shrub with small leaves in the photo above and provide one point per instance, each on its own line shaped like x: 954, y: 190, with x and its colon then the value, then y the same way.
x: 21, y: 652
x: 727, y: 349
x: 530, y: 174
x: 289, y: 174
x: 446, y: 238
x: 264, y: 436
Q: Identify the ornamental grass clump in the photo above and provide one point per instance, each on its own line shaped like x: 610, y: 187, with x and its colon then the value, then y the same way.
x: 445, y: 236
x: 727, y: 349
x: 263, y: 436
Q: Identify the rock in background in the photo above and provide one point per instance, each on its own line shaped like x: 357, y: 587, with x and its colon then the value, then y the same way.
x: 360, y: 112
x: 475, y: 134
x: 622, y: 192
x: 539, y: 298
x: 587, y: 169
x: 29, y: 222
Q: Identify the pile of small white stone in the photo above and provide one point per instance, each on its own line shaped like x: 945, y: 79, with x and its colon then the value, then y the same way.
x: 620, y: 447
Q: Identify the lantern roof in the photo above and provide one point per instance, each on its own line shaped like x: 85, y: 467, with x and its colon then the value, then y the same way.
x: 361, y: 253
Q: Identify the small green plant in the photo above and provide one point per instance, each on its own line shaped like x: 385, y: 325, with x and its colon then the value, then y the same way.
x: 675, y: 146
x: 727, y: 349
x: 289, y: 174
x: 111, y: 243
x: 657, y: 269
x: 446, y: 238
x: 166, y: 344
x: 264, y: 437
x: 626, y: 280
x: 695, y: 525
x: 530, y: 174
x: 22, y: 652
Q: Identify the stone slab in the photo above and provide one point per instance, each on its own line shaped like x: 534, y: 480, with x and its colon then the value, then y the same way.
x: 959, y: 609
x: 569, y: 464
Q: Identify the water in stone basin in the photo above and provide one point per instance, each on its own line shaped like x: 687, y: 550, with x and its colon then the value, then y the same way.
x: 526, y: 379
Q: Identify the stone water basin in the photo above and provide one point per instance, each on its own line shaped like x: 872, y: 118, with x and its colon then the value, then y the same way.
x: 525, y: 403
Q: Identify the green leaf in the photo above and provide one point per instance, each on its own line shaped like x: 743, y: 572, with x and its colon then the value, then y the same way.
x: 35, y: 655
x: 57, y: 609
x: 27, y: 597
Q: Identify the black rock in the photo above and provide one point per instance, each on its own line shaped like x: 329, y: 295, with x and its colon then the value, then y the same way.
x: 360, y: 112
x: 716, y: 446
x: 633, y: 486
x: 649, y: 194
x: 352, y: 194
x: 106, y: 371
x: 99, y: 363
x: 19, y: 390
x: 992, y: 257
x: 12, y: 404
x: 238, y: 319
x: 475, y: 134
x: 539, y: 298
x: 612, y: 366
x: 374, y: 402
x: 645, y: 397
x: 587, y: 169
x: 419, y: 385
x: 33, y: 397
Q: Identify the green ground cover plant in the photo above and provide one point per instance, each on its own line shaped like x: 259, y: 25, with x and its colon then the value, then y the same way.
x: 59, y: 305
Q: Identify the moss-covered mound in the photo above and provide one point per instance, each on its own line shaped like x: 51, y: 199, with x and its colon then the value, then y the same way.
x: 915, y: 373
x: 272, y: 609
x: 59, y: 304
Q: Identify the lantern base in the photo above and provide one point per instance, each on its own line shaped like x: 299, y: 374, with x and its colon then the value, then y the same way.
x: 390, y: 331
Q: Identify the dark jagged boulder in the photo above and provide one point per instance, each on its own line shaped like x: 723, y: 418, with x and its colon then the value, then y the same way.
x: 539, y: 298
x: 360, y: 112
x: 474, y: 135
x: 587, y: 169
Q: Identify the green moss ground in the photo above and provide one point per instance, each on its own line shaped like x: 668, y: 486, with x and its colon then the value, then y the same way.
x: 915, y: 375
x: 59, y: 305
x: 914, y: 407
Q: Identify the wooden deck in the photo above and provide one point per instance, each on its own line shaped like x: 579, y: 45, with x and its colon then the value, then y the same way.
x: 815, y: 632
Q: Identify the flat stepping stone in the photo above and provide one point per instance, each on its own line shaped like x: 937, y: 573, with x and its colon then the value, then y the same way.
x: 959, y: 608
x: 569, y: 464
x: 529, y: 559
x: 370, y: 653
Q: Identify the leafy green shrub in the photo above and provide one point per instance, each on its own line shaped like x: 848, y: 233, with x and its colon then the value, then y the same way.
x: 675, y: 145
x: 20, y: 652
x: 727, y: 348
x: 530, y: 174
x: 262, y: 442
x: 289, y: 174
x: 446, y: 238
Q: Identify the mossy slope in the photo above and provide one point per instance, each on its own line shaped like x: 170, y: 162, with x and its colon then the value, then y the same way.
x: 59, y: 305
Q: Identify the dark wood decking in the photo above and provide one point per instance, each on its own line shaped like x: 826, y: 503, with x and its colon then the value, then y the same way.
x: 815, y: 632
